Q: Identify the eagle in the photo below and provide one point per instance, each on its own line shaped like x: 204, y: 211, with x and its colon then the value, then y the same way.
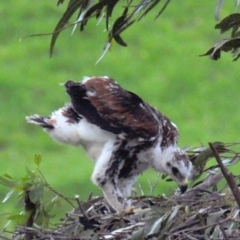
x: 121, y: 133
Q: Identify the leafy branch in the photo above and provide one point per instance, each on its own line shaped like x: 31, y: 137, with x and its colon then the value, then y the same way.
x: 133, y: 10
x: 232, y: 44
x: 31, y: 190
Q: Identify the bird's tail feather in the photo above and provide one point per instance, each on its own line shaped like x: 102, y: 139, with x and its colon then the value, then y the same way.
x: 39, y: 120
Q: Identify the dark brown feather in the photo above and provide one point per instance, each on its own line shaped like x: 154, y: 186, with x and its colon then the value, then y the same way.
x: 105, y: 103
x: 119, y: 108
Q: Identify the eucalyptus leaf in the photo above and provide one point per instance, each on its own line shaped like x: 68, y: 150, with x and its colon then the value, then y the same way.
x: 7, y: 176
x: 231, y: 21
x: 173, y: 214
x: 49, y: 206
x: 31, y: 174
x: 19, y: 219
x: 8, y: 195
x: 89, y: 9
x: 37, y: 159
x: 36, y: 194
x: 215, y: 217
x: 218, y: 8
x: 154, y: 225
x: 138, y: 235
x: 7, y: 182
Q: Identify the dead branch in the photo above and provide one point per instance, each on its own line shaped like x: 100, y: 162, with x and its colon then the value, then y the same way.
x: 228, y: 176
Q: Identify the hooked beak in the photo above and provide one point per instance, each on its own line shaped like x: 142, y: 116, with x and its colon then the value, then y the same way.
x: 183, y: 186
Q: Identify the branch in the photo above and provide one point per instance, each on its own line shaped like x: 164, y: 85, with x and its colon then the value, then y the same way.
x: 47, y: 185
x: 81, y: 208
x: 228, y: 176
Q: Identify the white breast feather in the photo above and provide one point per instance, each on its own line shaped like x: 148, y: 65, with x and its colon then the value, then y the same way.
x: 64, y: 131
x: 90, y: 136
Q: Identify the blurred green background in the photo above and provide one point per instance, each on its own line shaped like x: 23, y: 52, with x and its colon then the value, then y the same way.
x: 161, y: 64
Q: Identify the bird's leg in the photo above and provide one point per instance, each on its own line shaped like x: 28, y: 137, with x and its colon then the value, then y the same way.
x: 111, y: 192
x: 125, y: 185
x: 104, y: 180
x: 114, y: 197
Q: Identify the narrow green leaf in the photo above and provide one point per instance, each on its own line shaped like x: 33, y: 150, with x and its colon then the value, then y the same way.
x: 31, y: 174
x: 19, y: 219
x: 7, y: 176
x: 218, y: 8
x: 153, y: 225
x: 138, y: 235
x: 71, y: 9
x: 8, y: 195
x: 49, y: 206
x: 36, y: 194
x: 9, y: 183
x: 37, y: 159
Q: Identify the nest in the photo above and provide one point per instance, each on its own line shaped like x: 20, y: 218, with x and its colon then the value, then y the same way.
x: 208, y: 210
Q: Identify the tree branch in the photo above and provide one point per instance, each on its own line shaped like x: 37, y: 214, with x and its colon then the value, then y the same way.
x: 228, y: 175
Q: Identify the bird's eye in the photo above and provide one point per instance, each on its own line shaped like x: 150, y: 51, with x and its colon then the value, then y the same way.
x: 175, y: 171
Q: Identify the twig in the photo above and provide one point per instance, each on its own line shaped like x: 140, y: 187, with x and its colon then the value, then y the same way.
x: 81, y: 208
x: 59, y: 194
x: 140, y: 188
x: 47, y: 185
x: 186, y: 227
x: 228, y: 176
x: 223, y: 232
x: 189, y: 237
x: 152, y: 187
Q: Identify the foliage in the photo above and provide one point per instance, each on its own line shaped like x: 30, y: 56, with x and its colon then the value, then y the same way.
x: 209, y: 209
x: 33, y: 193
x: 232, y: 44
x: 133, y: 11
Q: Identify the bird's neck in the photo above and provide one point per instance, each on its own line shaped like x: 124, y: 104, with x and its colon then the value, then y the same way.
x: 162, y: 156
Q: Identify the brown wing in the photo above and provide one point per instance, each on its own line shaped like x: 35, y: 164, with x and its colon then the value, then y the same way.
x: 104, y: 103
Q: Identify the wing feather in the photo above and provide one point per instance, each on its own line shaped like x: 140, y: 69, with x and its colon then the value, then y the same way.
x: 104, y: 103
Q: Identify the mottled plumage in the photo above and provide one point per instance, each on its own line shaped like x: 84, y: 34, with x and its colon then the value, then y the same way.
x: 120, y: 132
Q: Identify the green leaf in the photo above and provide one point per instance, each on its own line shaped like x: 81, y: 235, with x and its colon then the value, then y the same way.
x: 72, y: 7
x: 154, y: 225
x: 7, y: 176
x: 218, y: 8
x: 89, y: 9
x: 8, y: 195
x: 9, y: 183
x: 36, y: 194
x: 231, y: 21
x: 19, y: 219
x: 138, y: 235
x: 37, y: 159
x: 31, y: 174
x: 49, y: 206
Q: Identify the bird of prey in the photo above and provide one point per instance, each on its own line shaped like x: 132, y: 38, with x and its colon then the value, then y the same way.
x: 122, y: 134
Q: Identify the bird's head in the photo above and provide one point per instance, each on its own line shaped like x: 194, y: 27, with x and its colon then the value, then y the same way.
x: 176, y: 164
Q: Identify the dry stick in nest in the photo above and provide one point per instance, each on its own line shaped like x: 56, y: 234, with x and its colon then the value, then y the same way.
x: 228, y: 175
x: 223, y: 232
x: 81, y: 208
